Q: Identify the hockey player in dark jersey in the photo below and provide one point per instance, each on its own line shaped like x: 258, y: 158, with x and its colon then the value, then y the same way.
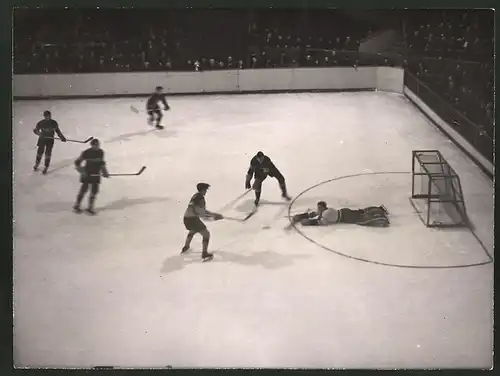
x: 90, y: 174
x: 261, y: 167
x: 153, y: 109
x: 196, y: 210
x: 45, y: 130
x: 375, y: 216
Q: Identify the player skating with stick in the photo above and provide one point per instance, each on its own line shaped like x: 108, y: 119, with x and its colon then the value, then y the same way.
x: 375, y: 216
x: 90, y: 174
x: 45, y: 130
x: 261, y: 166
x: 153, y: 109
x: 193, y: 223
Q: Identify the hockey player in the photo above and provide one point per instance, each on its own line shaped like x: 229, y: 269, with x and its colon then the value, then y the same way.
x: 45, y: 130
x: 153, y: 109
x: 376, y: 216
x: 196, y: 210
x: 90, y: 174
x: 261, y: 166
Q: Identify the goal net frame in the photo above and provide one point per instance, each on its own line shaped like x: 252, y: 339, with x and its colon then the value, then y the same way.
x: 437, y: 194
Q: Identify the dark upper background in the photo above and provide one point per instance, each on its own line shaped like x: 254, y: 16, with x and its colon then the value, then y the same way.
x: 449, y: 50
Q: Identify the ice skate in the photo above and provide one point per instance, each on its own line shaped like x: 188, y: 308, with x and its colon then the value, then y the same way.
x: 207, y: 256
x: 35, y: 167
x: 45, y: 170
x: 184, y: 250
x: 77, y: 209
x: 158, y: 126
x: 90, y: 211
x: 286, y: 197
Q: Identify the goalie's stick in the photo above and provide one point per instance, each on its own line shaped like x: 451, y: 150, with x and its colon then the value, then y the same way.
x: 128, y: 174
x: 70, y: 140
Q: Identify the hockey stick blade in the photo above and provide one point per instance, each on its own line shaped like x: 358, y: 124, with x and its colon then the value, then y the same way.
x: 134, y: 174
x: 249, y: 215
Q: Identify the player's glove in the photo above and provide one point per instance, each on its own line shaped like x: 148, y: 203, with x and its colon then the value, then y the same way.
x: 105, y: 174
x: 167, y: 108
x: 80, y: 170
x: 218, y: 216
x: 247, y: 184
x: 63, y: 139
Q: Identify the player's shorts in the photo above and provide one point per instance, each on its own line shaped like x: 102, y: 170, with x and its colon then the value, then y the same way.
x: 48, y: 143
x: 90, y: 179
x: 350, y: 216
x: 153, y: 110
x: 194, y: 224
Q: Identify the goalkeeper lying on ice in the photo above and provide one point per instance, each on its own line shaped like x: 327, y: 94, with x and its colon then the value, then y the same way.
x: 376, y: 216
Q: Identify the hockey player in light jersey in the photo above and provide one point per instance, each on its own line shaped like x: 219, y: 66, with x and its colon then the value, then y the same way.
x: 376, y: 216
x: 193, y: 223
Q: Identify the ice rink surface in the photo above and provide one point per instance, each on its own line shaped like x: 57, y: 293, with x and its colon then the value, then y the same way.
x: 113, y: 290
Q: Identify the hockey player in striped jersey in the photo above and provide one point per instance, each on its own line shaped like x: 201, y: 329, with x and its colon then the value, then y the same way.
x: 375, y: 216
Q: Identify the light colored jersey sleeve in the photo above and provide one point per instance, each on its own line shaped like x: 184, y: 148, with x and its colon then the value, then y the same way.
x: 330, y: 216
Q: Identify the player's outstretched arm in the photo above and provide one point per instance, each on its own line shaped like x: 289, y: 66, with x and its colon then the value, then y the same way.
x: 37, y: 130
x: 59, y: 133
x: 104, y: 171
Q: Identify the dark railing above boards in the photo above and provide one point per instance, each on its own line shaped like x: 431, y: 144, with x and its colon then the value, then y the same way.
x: 472, y: 132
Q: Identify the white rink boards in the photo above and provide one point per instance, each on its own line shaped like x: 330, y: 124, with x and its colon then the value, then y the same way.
x: 113, y: 290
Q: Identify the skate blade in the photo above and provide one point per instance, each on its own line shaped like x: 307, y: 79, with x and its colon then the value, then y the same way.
x: 206, y: 259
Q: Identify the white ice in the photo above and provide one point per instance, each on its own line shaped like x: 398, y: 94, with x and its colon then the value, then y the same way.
x: 113, y: 290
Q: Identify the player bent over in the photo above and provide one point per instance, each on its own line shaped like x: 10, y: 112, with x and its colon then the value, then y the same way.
x: 376, y: 216
x: 90, y: 174
x: 196, y: 210
x: 153, y: 109
x: 45, y: 130
x: 261, y: 167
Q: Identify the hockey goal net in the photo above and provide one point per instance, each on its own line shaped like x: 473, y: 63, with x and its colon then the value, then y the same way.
x: 436, y: 191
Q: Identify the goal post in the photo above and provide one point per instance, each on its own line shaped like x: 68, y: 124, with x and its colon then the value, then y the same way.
x: 436, y: 191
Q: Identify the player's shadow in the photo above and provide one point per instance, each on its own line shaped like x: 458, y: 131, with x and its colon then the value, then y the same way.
x: 129, y: 136
x: 123, y: 203
x: 59, y: 165
x: 165, y: 133
x: 248, y: 205
x: 266, y: 259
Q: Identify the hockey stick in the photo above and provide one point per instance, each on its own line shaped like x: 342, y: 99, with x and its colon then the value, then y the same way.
x: 69, y: 140
x: 134, y: 174
x: 137, y: 111
x: 130, y: 174
x: 229, y: 204
x: 234, y: 219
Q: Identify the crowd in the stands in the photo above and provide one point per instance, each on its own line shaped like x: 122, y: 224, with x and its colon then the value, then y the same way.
x: 450, y: 51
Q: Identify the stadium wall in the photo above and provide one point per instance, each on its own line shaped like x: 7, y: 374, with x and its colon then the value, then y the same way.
x: 102, y: 85
x: 55, y: 86
x: 483, y: 163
